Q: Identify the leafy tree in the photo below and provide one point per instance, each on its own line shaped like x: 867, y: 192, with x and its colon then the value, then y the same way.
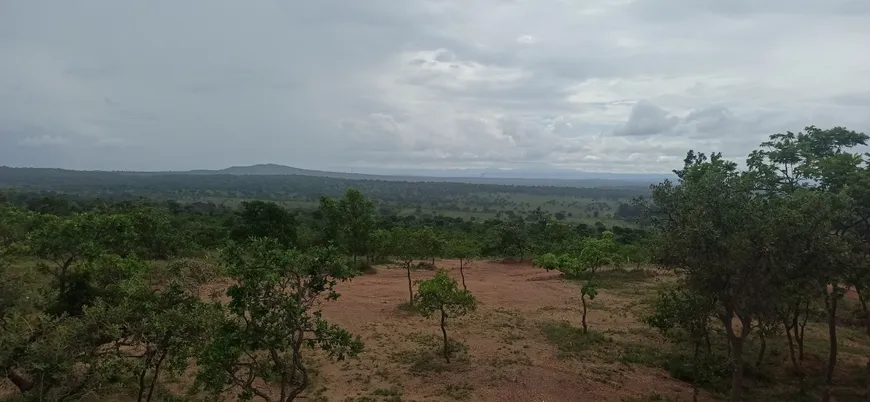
x: 590, y: 290
x: 820, y: 160
x: 407, y: 248
x: 441, y: 295
x: 65, y: 243
x: 597, y: 252
x: 430, y: 243
x: 508, y: 239
x: 358, y: 222
x: 264, y: 219
x: 381, y: 245
x: 684, y: 315
x: 732, y: 242
x: 463, y: 248
x: 271, y: 317
x: 571, y: 268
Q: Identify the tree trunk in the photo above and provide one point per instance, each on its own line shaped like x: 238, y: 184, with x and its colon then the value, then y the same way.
x: 799, y: 334
x: 462, y: 274
x: 156, y: 375
x: 410, y: 285
x: 761, y: 351
x: 583, y: 300
x: 444, y: 332
x: 737, y: 374
x: 791, y: 350
x: 142, y: 374
x: 695, y: 388
x: 831, y: 306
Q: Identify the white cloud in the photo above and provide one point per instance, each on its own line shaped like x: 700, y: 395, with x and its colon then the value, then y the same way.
x: 614, y: 85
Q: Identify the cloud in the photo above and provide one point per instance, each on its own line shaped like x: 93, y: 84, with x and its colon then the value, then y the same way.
x: 608, y: 85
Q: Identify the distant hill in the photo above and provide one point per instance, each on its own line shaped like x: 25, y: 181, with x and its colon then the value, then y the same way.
x: 563, y: 178
x: 478, y: 176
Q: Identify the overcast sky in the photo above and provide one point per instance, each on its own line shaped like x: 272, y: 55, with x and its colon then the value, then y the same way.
x: 597, y: 85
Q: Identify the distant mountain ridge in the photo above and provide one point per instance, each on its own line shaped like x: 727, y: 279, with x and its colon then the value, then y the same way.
x: 563, y: 178
x: 490, y: 176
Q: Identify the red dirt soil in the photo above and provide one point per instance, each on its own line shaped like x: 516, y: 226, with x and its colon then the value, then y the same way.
x: 508, y: 358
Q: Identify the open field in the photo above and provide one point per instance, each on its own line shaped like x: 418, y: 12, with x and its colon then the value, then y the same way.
x: 524, y: 343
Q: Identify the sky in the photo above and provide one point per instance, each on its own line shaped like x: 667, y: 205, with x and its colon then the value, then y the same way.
x: 593, y: 85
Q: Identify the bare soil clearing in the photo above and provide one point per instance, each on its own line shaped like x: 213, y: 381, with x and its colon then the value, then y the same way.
x: 508, y: 358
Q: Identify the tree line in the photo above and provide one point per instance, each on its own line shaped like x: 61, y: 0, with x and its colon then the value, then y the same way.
x: 763, y: 251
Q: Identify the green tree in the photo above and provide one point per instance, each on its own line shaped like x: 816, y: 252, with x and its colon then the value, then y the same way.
x: 733, y: 242
x: 442, y: 295
x: 271, y: 318
x: 358, y: 222
x: 508, y: 239
x: 683, y: 315
x: 407, y: 248
x: 463, y: 248
x: 572, y: 268
x: 264, y: 219
x: 63, y: 244
x: 822, y: 160
x: 430, y: 243
x: 597, y: 252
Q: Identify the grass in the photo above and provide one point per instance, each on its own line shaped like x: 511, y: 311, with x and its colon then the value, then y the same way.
x: 570, y: 340
x: 460, y: 391
x: 620, y: 278
x: 430, y: 359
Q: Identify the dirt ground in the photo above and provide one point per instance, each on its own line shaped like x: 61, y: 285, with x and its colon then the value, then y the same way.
x: 508, y: 358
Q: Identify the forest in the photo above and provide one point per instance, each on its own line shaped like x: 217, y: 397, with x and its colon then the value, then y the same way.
x: 744, y: 283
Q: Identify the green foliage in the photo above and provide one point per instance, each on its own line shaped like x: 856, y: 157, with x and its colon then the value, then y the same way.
x: 272, y: 315
x: 441, y: 295
x: 571, y: 341
x: 264, y: 219
x: 429, y: 243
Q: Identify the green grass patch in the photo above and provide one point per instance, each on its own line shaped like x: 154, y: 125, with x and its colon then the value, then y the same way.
x: 619, y: 278
x: 572, y: 341
x: 460, y: 391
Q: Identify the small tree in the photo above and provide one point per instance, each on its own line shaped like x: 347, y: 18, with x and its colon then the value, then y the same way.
x: 463, y: 248
x: 272, y: 315
x: 590, y: 290
x: 684, y: 315
x: 442, y: 294
x: 598, y: 252
x: 406, y: 247
x: 430, y: 243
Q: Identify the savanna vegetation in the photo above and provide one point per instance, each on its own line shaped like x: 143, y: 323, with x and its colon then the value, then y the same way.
x: 740, y: 283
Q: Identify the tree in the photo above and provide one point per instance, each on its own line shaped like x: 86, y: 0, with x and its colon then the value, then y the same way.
x: 65, y: 243
x: 264, y: 219
x: 590, y: 290
x: 358, y: 222
x: 733, y: 242
x: 820, y: 160
x: 430, y: 243
x: 597, y: 252
x: 163, y: 322
x: 271, y: 317
x: 463, y: 248
x: 684, y: 315
x: 571, y: 268
x: 406, y: 247
x: 441, y: 295
x: 508, y: 239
